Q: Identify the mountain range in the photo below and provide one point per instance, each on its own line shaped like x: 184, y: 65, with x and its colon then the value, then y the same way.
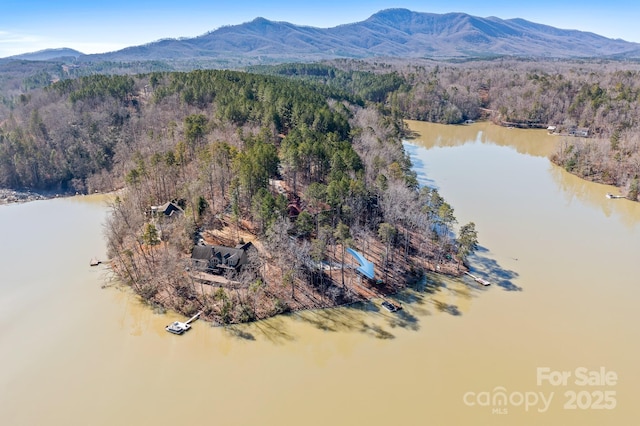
x: 388, y: 33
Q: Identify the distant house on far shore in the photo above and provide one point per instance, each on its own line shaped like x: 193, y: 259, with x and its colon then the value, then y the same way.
x: 218, y: 259
x: 580, y: 132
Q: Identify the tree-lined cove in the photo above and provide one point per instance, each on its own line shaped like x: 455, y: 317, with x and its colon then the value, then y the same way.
x: 546, y: 309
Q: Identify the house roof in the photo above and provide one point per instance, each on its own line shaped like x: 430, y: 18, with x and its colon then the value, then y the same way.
x: 230, y: 256
x: 226, y: 256
x: 202, y: 252
x: 366, y: 267
x: 168, y: 209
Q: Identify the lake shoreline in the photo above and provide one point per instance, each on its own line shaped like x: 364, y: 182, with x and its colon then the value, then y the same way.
x: 566, y: 308
x: 306, y: 297
x: 11, y: 196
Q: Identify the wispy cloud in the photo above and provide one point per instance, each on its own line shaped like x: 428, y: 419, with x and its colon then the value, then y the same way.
x: 12, y: 43
x: 8, y: 37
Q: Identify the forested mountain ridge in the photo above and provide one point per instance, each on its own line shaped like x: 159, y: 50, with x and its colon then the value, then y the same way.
x: 47, y: 55
x: 388, y: 33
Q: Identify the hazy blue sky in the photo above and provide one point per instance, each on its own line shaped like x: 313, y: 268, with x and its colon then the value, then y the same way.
x: 105, y: 25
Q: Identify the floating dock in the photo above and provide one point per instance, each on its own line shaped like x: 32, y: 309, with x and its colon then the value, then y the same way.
x: 391, y: 307
x: 479, y: 280
x: 178, y: 327
x: 614, y: 197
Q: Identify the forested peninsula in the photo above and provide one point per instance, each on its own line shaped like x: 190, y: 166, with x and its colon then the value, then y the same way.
x: 275, y: 177
x: 243, y: 194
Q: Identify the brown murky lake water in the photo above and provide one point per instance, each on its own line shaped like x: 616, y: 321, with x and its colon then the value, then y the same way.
x: 563, y: 260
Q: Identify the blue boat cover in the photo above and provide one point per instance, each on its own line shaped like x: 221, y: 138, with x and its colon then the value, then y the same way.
x: 366, y: 267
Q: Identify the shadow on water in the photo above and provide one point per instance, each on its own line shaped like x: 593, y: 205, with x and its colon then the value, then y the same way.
x: 430, y: 284
x: 482, y: 249
x: 448, y: 308
x: 343, y: 319
x: 346, y: 319
x: 239, y: 332
x: 404, y: 319
x: 418, y: 302
x: 416, y: 299
x: 420, y: 297
x: 377, y: 331
x: 411, y: 134
x: 418, y: 164
x: 273, y: 329
x: 491, y: 270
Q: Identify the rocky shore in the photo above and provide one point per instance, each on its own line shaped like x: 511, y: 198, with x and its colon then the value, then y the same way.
x: 8, y: 196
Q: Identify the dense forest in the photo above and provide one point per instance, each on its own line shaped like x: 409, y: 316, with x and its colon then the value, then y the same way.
x: 599, y: 99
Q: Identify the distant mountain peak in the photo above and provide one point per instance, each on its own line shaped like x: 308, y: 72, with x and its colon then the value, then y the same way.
x: 261, y: 21
x: 393, y: 13
x: 48, y: 54
x: 401, y: 16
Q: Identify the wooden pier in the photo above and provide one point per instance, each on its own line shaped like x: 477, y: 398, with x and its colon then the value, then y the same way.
x: 193, y: 318
x: 478, y: 279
